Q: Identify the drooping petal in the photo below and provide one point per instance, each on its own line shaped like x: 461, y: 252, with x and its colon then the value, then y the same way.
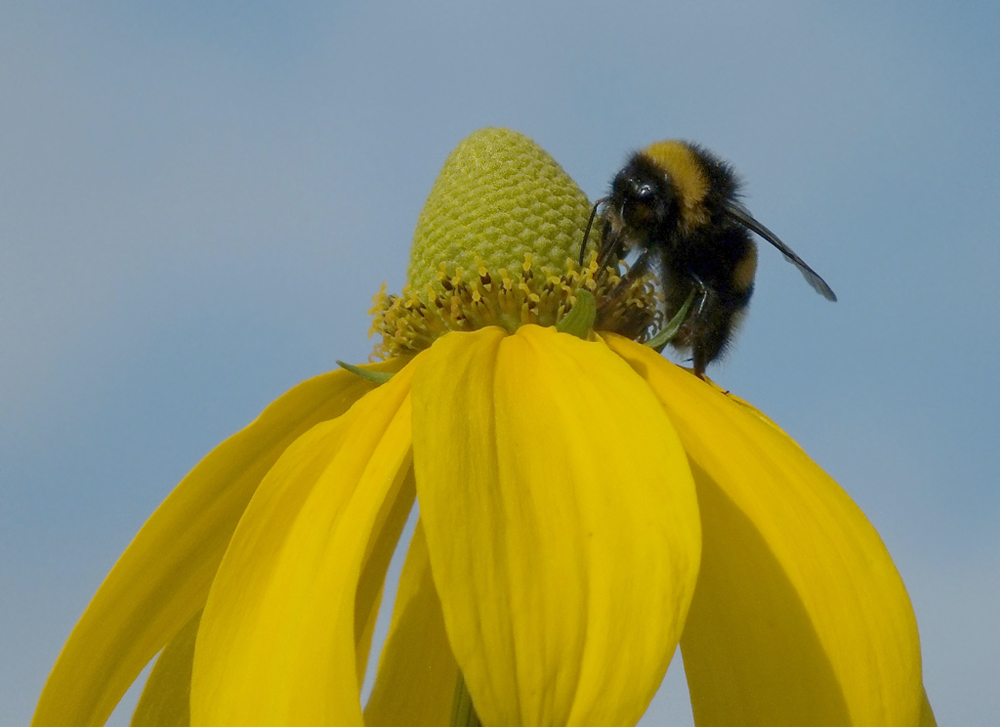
x: 374, y: 567
x: 277, y: 643
x: 166, y: 696
x: 163, y: 578
x: 415, y: 685
x: 799, y: 616
x: 926, y: 713
x: 561, y: 523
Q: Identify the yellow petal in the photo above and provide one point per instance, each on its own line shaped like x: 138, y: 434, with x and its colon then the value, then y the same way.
x: 561, y: 522
x: 277, y: 643
x: 415, y: 686
x: 800, y: 616
x: 162, y: 579
x: 376, y: 564
x: 166, y: 696
x: 926, y: 713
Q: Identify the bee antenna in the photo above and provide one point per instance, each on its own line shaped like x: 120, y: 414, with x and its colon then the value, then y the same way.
x: 590, y: 223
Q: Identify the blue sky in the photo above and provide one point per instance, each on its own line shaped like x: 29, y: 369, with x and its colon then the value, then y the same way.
x: 198, y: 200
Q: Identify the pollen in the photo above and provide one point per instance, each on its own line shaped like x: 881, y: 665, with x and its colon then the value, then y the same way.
x: 531, y: 294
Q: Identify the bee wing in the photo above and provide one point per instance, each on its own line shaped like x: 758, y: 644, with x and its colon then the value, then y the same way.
x: 742, y: 215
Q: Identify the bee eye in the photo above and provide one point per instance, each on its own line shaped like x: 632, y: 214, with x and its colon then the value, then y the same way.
x: 645, y: 192
x: 644, y: 204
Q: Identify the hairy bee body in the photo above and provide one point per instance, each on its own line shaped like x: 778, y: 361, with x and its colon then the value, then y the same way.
x: 674, y: 208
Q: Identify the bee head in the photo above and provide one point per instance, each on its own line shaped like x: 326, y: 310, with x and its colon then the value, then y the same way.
x: 644, y: 196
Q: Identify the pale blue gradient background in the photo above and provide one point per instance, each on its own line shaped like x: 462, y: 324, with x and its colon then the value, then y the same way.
x: 198, y: 200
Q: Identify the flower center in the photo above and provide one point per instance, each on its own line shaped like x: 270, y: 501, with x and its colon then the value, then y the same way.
x: 465, y: 301
x: 495, y: 245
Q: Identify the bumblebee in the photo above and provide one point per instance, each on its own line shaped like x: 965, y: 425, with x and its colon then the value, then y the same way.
x: 674, y: 210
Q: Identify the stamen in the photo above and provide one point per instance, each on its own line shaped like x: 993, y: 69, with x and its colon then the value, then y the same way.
x: 410, y: 322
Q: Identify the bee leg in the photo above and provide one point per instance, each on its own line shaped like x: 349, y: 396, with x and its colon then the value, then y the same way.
x: 705, y: 345
x: 640, y: 268
x: 714, y: 330
x: 703, y: 295
x: 586, y: 234
x: 608, y: 252
x: 704, y: 349
x: 700, y: 362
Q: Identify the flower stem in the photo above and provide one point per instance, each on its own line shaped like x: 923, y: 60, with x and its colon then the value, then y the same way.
x: 463, y: 714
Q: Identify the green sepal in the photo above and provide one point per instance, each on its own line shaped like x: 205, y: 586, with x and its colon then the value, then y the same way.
x: 376, y: 377
x: 463, y: 714
x: 579, y: 320
x: 667, y: 333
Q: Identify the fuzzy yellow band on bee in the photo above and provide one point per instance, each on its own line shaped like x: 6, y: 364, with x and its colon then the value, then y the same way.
x: 746, y: 270
x: 687, y: 173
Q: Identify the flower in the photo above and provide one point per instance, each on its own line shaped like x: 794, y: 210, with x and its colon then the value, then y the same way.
x: 584, y: 506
